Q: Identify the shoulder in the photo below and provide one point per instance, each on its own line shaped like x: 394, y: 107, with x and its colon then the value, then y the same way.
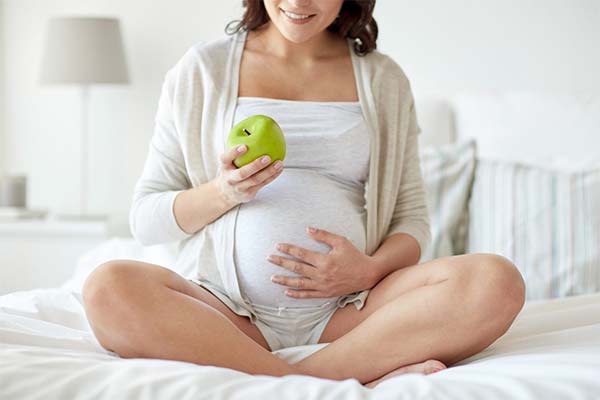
x: 203, y: 58
x: 385, y: 72
x: 214, y: 51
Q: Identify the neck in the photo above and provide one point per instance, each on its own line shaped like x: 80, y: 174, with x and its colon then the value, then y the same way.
x: 323, y: 45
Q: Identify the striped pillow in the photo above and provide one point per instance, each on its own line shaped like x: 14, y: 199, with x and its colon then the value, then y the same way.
x: 546, y: 222
x: 448, y: 175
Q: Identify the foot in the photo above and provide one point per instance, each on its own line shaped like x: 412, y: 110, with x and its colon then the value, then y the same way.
x: 426, y: 368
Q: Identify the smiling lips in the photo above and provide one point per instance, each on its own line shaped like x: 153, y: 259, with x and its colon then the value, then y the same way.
x: 297, y: 18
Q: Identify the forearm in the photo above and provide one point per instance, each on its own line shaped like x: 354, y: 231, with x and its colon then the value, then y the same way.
x: 197, y: 207
x: 398, y: 251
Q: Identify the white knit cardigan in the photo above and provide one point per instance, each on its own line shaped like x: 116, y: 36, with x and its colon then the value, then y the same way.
x: 196, y: 109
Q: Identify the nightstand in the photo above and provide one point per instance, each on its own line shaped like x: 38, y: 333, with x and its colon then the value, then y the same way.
x: 42, y: 253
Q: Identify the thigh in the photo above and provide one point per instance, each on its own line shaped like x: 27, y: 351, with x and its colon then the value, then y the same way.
x: 145, y: 275
x: 393, y: 285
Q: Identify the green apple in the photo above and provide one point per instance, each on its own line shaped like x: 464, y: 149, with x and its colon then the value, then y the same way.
x: 261, y: 135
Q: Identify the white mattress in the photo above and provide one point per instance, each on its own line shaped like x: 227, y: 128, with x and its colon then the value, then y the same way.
x: 47, y: 351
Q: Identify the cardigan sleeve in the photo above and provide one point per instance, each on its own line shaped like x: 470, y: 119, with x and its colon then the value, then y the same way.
x: 151, y: 216
x: 411, y: 214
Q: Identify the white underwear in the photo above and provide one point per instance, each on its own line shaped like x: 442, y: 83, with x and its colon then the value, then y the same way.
x: 291, y: 326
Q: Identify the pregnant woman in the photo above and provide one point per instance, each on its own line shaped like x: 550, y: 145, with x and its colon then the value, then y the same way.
x: 263, y: 279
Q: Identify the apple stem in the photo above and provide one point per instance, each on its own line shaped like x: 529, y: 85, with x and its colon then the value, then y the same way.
x: 247, y: 133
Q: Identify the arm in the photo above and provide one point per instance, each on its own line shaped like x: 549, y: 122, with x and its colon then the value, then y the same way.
x: 192, y: 217
x: 397, y: 251
x: 409, y: 230
x: 165, y: 207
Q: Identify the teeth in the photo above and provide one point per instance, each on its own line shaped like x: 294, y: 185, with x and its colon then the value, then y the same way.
x: 295, y: 16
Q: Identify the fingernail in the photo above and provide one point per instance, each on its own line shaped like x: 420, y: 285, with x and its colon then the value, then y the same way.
x: 277, y: 164
x: 265, y: 159
x: 436, y: 370
x: 241, y: 148
x: 311, y: 229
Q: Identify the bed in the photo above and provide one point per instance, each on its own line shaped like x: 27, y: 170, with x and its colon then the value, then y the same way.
x: 47, y: 351
x: 552, y: 350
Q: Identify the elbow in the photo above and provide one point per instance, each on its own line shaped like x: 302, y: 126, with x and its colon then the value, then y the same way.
x: 140, y: 235
x: 133, y: 228
x: 151, y: 219
x: 137, y: 233
x: 418, y: 228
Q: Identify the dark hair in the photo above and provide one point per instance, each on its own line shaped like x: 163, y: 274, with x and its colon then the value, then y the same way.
x: 355, y: 21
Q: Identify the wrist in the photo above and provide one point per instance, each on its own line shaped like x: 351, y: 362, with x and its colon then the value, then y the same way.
x: 374, y: 271
x: 225, y: 203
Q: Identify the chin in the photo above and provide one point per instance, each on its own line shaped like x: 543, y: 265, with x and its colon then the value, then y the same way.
x: 294, y: 36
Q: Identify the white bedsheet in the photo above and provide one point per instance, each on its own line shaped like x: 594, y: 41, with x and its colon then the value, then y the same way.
x: 47, y: 351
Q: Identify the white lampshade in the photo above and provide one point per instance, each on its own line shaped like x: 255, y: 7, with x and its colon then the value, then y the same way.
x: 83, y: 50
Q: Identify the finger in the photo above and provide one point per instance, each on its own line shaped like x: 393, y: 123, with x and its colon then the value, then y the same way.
x: 248, y: 170
x: 308, y: 256
x: 260, y: 177
x: 326, y: 237
x: 252, y: 190
x: 270, y: 179
x: 293, y: 266
x: 231, y: 154
x: 305, y: 294
x: 300, y: 283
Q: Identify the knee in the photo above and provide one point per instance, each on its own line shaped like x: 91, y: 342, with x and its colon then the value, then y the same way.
x: 498, y: 287
x: 491, y: 286
x: 105, y: 287
x: 508, y: 282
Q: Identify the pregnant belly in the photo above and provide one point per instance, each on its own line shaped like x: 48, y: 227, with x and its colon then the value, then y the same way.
x: 280, y: 212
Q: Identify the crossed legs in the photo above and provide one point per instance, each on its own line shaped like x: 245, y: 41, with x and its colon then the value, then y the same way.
x: 141, y: 310
x: 445, y: 309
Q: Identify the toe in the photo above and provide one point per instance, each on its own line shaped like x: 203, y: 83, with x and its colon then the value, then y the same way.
x: 431, y: 366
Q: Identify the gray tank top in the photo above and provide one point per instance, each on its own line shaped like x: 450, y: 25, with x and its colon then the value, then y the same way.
x: 322, y: 185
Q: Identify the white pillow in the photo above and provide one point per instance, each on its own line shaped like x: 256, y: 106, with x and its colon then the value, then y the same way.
x: 448, y: 175
x: 123, y: 248
x: 542, y: 129
x: 436, y: 121
x: 547, y: 222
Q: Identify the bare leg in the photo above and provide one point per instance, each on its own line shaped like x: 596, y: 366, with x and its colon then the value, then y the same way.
x: 147, y: 311
x: 455, y: 311
x: 425, y: 368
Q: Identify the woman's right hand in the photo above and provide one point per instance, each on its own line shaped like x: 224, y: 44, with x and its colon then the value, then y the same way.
x: 240, y: 185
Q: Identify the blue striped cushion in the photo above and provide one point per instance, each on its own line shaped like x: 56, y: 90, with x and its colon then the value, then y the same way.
x: 448, y: 175
x: 547, y: 222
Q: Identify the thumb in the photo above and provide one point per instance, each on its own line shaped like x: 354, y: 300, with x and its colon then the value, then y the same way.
x: 231, y: 154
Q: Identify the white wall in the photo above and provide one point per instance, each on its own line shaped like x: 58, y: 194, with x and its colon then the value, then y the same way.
x: 444, y: 46
x: 43, y: 122
x: 2, y: 158
x: 465, y: 45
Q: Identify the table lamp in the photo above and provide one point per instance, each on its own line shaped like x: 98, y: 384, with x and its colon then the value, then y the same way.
x: 83, y: 51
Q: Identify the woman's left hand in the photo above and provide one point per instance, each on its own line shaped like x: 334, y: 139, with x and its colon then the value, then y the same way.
x: 344, y: 270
